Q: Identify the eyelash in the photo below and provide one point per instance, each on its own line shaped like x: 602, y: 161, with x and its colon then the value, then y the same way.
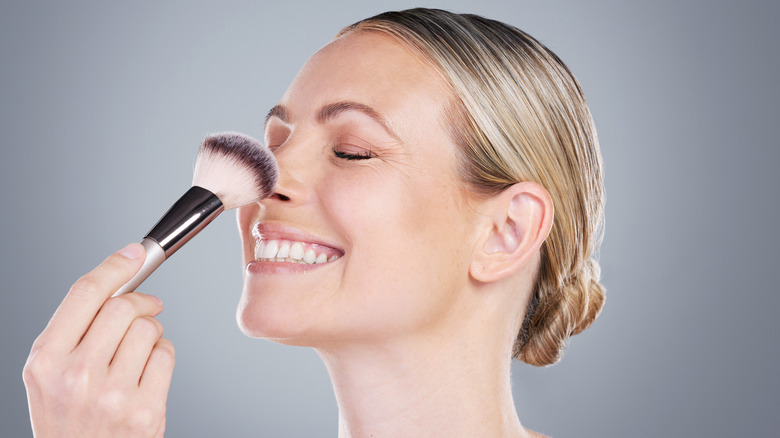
x: 347, y: 156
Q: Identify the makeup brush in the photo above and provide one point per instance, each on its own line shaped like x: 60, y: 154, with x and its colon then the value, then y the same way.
x: 231, y: 170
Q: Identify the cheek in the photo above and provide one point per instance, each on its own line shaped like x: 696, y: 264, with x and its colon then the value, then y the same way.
x: 377, y: 213
x: 389, y: 204
x: 407, y: 254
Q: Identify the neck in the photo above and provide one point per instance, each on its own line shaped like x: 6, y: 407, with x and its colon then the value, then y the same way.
x: 428, y: 386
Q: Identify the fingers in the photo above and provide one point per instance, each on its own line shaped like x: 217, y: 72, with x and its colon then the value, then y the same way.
x: 116, y: 319
x: 87, y: 295
x: 156, y: 379
x: 68, y: 397
x: 101, y: 368
x: 136, y: 348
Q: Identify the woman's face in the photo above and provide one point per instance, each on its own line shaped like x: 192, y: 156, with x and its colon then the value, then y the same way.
x: 368, y: 235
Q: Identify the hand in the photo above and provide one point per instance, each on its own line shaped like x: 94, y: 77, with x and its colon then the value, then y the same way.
x: 101, y: 368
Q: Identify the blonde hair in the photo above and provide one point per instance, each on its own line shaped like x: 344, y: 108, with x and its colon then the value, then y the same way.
x: 518, y: 114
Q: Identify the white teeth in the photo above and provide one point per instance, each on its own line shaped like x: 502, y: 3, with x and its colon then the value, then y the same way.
x: 296, y: 251
x: 259, y: 249
x: 291, y: 252
x: 270, y: 249
x: 284, y: 250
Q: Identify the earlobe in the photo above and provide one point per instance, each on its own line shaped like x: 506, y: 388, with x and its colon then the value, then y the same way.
x: 520, y: 220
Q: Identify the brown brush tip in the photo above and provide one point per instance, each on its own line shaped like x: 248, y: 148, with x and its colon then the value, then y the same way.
x: 235, y: 167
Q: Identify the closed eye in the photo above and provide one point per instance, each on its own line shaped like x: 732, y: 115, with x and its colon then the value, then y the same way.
x: 363, y: 155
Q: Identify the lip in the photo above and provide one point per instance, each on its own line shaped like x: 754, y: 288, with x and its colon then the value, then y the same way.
x: 276, y: 231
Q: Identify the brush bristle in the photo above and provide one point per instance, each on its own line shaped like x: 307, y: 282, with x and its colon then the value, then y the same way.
x: 235, y: 167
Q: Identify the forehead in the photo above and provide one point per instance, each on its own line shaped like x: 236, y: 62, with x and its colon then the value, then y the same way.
x: 371, y: 68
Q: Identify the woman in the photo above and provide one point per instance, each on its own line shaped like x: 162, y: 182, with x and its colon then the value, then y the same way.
x: 439, y: 205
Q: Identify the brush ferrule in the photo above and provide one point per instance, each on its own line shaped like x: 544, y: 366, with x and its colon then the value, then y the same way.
x: 193, y: 211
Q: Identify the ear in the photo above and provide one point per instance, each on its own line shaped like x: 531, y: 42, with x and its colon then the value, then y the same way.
x: 519, y: 220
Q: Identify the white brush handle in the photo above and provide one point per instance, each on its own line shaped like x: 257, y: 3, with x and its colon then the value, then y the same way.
x: 154, y: 258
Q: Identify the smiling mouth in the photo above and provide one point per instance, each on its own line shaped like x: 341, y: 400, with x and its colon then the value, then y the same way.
x: 280, y: 245
x: 290, y: 251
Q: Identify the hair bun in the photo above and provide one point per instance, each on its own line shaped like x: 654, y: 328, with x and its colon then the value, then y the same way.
x: 559, y: 314
x: 594, y: 293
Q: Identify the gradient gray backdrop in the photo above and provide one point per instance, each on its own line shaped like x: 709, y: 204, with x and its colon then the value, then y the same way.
x: 102, y: 107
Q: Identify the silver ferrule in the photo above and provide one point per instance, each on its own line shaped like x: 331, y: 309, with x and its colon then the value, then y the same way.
x: 190, y: 214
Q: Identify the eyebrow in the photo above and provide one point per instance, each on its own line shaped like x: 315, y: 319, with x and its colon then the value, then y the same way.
x: 279, y: 112
x: 332, y: 110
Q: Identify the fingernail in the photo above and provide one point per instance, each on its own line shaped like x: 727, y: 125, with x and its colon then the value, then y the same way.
x: 159, y: 301
x: 132, y: 251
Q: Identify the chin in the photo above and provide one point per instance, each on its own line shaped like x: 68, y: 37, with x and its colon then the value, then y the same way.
x: 260, y: 321
x: 288, y: 324
x: 260, y: 317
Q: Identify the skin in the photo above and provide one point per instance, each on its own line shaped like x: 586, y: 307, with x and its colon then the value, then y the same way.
x: 414, y: 319
x: 417, y: 318
x: 377, y: 211
x: 101, y: 367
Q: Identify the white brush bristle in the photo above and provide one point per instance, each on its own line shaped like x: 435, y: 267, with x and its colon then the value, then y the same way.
x: 236, y: 168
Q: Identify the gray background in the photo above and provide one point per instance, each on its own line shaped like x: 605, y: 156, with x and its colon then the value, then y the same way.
x: 102, y: 107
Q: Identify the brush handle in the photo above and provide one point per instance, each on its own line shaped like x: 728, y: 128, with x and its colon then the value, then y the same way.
x: 154, y: 258
x: 190, y: 214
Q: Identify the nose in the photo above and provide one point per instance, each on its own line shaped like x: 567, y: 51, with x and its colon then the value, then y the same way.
x: 295, y: 172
